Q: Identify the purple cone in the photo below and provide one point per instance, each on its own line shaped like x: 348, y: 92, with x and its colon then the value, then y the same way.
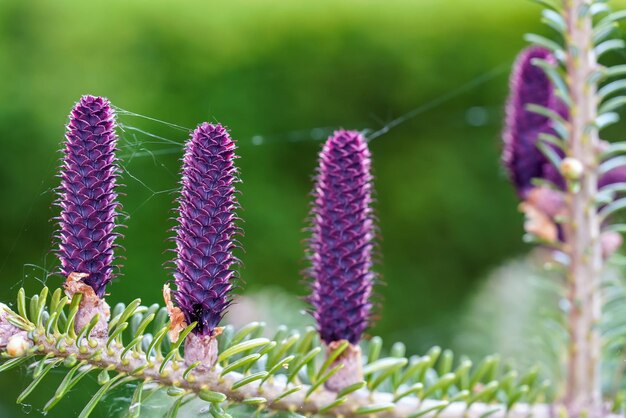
x: 87, y: 196
x: 616, y: 175
x: 521, y: 157
x: 341, y: 245
x: 206, y: 230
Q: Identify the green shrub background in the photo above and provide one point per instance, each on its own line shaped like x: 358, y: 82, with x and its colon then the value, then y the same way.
x: 281, y: 75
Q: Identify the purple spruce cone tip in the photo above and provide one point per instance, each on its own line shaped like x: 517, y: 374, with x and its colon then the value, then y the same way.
x: 87, y: 196
x: 341, y: 245
x: 206, y: 228
x: 521, y: 157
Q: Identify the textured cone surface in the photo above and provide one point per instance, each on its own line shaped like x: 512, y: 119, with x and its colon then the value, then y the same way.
x: 206, y: 228
x: 341, y: 245
x: 87, y: 196
x: 521, y: 157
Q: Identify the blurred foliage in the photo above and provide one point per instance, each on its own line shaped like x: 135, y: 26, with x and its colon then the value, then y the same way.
x: 516, y: 313
x: 520, y: 310
x: 281, y: 76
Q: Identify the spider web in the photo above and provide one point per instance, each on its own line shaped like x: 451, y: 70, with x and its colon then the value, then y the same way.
x: 137, y: 143
x: 140, y: 143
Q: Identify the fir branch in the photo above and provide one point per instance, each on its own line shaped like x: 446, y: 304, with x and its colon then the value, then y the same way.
x: 280, y: 374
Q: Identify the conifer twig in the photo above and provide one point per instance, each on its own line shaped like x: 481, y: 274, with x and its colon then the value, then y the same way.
x: 582, y: 231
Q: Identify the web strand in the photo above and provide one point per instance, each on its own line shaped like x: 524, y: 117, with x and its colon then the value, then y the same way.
x: 136, y: 143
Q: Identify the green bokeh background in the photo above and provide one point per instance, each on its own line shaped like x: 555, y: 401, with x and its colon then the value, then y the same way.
x: 281, y: 75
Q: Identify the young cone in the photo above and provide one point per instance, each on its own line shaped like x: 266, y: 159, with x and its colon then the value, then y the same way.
x: 89, y: 207
x: 341, y: 247
x: 521, y: 157
x: 205, y: 238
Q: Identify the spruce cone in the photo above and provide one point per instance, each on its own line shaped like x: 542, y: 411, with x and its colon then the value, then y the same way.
x: 206, y: 229
x: 341, y: 245
x: 520, y: 156
x: 87, y: 196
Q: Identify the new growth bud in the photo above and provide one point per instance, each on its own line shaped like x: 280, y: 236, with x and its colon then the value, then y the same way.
x: 521, y: 156
x: 18, y: 345
x: 572, y: 169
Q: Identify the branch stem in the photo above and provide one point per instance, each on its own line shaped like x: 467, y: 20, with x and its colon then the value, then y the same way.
x: 582, y: 231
